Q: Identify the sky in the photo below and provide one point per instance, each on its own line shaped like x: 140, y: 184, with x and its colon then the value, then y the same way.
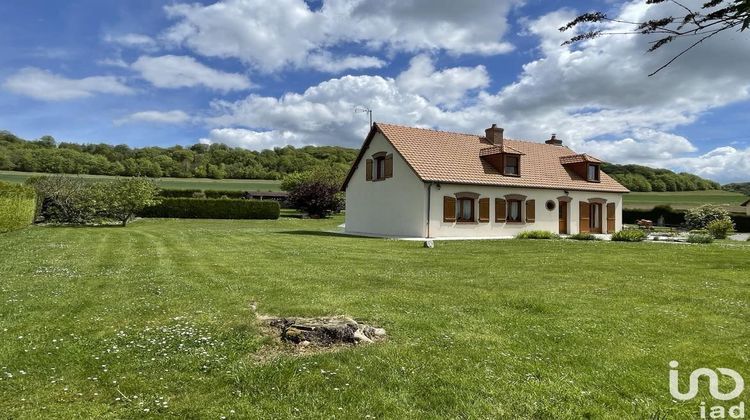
x: 261, y: 74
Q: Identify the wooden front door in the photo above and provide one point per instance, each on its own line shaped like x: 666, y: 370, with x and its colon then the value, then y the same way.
x: 563, y: 216
x: 595, y: 218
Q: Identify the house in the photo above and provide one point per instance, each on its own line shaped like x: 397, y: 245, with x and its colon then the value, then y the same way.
x: 746, y: 205
x: 414, y: 182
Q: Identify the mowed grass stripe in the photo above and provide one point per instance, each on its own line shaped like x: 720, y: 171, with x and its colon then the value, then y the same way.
x: 477, y: 329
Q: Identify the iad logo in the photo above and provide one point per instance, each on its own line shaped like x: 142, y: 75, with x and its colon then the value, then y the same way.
x: 715, y: 412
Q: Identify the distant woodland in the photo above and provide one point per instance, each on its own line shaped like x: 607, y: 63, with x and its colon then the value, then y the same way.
x: 645, y: 179
x: 219, y: 161
x: 216, y: 161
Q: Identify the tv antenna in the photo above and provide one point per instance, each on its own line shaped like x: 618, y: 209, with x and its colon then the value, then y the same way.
x: 361, y: 109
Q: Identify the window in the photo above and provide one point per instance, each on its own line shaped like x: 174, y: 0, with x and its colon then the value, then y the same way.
x: 380, y: 167
x: 550, y: 205
x: 511, y: 165
x: 595, y: 217
x: 514, y: 211
x: 593, y: 172
x: 465, y: 210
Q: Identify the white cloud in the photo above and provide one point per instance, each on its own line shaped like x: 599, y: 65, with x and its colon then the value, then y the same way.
x: 113, y: 62
x: 47, y: 86
x: 273, y: 35
x: 253, y: 140
x: 131, y: 40
x: 446, y: 87
x: 726, y: 164
x: 326, y: 62
x: 159, y: 117
x: 172, y: 71
x: 601, y: 87
x: 324, y: 114
x: 645, y: 146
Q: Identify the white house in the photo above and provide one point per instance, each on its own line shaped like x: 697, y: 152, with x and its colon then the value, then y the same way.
x: 746, y: 205
x: 414, y: 182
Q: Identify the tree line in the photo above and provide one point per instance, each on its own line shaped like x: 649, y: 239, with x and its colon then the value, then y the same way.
x: 645, y: 179
x: 740, y: 187
x: 216, y: 161
x: 220, y: 161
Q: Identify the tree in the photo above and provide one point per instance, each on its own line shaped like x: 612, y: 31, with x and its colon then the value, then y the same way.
x: 122, y: 198
x: 697, y: 25
x: 316, y: 191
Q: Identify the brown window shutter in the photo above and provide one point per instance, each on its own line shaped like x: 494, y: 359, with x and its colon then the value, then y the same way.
x: 530, y: 211
x: 389, y: 166
x: 583, y: 217
x: 368, y: 170
x: 610, y: 217
x: 449, y: 209
x: 484, y: 210
x: 499, y: 210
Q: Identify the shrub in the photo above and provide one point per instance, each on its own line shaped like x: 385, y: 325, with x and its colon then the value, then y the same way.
x: 700, y: 238
x: 206, y: 208
x: 629, y: 235
x: 537, y: 234
x: 65, y: 199
x: 121, y: 199
x: 17, y: 206
x: 584, y: 236
x: 700, y: 217
x: 721, y: 228
x: 316, y: 192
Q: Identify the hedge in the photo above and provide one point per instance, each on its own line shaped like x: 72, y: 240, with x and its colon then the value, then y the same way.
x: 677, y: 217
x: 222, y: 194
x: 207, y: 208
x: 17, y: 206
x: 178, y: 193
x: 671, y: 217
x: 190, y: 193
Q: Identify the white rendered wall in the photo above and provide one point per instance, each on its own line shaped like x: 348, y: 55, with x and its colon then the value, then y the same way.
x: 393, y: 207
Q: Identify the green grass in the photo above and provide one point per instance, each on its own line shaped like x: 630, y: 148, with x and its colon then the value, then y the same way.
x: 159, y: 311
x: 685, y: 199
x: 173, y: 183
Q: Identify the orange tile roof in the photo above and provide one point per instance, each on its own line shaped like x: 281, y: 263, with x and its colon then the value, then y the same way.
x: 566, y: 160
x: 441, y: 156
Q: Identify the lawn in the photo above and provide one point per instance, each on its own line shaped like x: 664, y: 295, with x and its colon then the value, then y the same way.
x: 173, y: 183
x: 153, y: 320
x: 685, y: 199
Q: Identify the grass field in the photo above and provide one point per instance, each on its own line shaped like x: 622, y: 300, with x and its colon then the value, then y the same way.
x: 174, y: 183
x: 153, y: 320
x: 685, y: 199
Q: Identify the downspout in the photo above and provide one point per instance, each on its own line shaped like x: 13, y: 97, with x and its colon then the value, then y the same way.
x: 429, y: 201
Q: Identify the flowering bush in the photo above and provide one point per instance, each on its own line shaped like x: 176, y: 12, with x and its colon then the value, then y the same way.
x: 700, y: 217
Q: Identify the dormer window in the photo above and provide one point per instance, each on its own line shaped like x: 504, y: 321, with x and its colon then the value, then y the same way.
x: 511, y: 165
x: 592, y: 172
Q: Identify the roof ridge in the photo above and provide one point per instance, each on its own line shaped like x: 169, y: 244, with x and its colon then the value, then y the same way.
x: 466, y: 134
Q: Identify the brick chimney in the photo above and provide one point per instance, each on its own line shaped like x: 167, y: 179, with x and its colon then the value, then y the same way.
x: 554, y: 141
x: 494, y: 135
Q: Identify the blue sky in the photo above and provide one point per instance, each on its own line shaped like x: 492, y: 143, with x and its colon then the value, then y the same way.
x: 261, y: 74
